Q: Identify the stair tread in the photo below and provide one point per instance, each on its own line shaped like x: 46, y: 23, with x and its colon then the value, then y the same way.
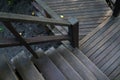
x: 90, y: 65
x: 26, y: 68
x: 63, y: 65
x: 6, y: 72
x: 76, y: 64
x: 48, y: 68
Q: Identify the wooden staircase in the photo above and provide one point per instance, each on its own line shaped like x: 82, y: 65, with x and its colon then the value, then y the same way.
x: 98, y: 56
x: 53, y: 64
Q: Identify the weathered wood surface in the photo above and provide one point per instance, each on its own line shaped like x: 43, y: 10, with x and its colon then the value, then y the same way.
x: 103, y: 47
x: 6, y: 71
x: 30, y: 19
x: 26, y: 68
x: 90, y: 65
x: 83, y: 71
x: 67, y: 70
x: 47, y: 67
x: 89, y: 13
x: 7, y: 42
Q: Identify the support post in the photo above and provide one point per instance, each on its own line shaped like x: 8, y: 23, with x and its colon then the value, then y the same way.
x: 116, y: 10
x: 74, y: 32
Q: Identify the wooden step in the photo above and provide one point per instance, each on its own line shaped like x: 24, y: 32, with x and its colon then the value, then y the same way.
x: 47, y: 67
x: 83, y: 71
x: 26, y: 68
x: 63, y: 65
x: 6, y: 71
x: 90, y: 65
x: 102, y: 47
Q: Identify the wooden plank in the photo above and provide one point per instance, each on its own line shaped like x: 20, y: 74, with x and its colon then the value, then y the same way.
x: 31, y: 19
x: 117, y: 77
x: 112, y: 68
x: 47, y: 67
x: 68, y: 1
x: 104, y: 42
x: 97, y: 40
x: 7, y: 42
x: 26, y: 68
x: 90, y: 65
x: 77, y: 8
x: 63, y: 65
x: 80, y: 11
x: 110, y: 62
x: 107, y: 58
x: 83, y: 71
x: 60, y: 3
x: 115, y: 73
x: 77, y: 5
x: 52, y: 14
x: 107, y: 52
x: 49, y: 11
x: 95, y: 31
x: 6, y: 72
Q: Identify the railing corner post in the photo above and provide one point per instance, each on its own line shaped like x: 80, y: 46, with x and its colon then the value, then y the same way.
x: 74, y: 32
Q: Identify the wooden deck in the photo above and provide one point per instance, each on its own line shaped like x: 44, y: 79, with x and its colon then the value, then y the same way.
x: 98, y: 56
x: 89, y: 13
x: 102, y: 46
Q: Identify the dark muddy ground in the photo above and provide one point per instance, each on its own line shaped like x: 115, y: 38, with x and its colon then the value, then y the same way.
x: 27, y: 30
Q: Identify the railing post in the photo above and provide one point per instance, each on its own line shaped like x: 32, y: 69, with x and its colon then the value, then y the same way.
x: 116, y: 10
x: 74, y: 32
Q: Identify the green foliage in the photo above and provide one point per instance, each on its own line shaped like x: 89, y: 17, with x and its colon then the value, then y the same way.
x: 1, y: 29
x: 10, y: 2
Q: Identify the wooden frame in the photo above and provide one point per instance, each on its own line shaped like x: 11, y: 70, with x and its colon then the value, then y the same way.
x: 7, y: 18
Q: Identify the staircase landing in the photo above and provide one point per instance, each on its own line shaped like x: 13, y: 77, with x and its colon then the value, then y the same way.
x: 90, y: 13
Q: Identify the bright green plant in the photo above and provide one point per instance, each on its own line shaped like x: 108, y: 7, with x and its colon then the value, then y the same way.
x: 1, y: 29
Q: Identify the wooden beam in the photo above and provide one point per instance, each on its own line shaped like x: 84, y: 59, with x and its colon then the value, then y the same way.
x: 48, y: 9
x: 30, y: 19
x: 19, y: 37
x: 7, y: 42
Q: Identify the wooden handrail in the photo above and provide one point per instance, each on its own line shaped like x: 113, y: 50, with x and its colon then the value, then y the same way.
x: 8, y: 42
x: 30, y: 19
x: 7, y: 18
